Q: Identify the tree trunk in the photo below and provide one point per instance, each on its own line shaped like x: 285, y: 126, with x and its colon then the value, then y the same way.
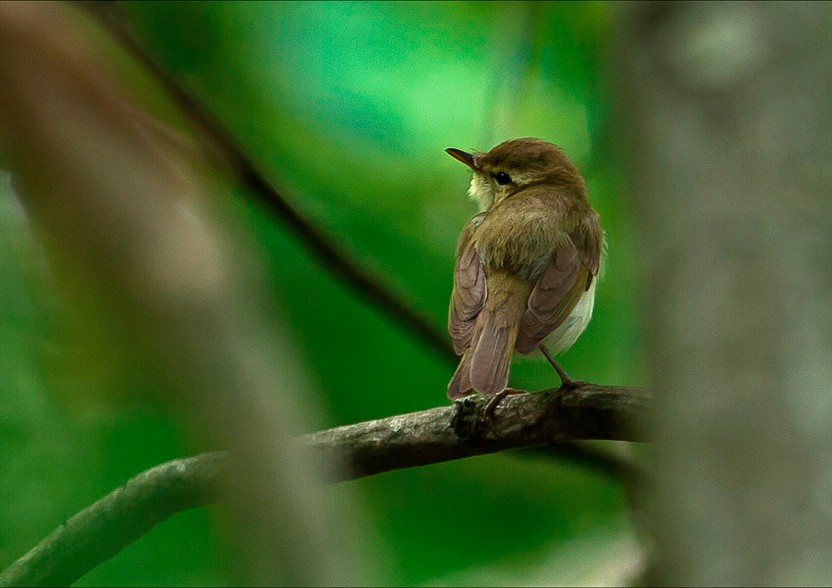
x: 727, y: 125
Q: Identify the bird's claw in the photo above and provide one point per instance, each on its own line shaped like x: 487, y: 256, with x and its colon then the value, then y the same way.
x: 473, y: 412
x: 491, y: 406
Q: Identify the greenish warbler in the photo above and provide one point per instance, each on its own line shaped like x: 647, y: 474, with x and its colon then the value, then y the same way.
x: 526, y: 264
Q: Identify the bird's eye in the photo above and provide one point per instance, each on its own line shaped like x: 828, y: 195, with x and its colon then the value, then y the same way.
x: 502, y: 178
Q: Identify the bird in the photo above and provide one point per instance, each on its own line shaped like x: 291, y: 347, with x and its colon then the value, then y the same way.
x: 526, y: 264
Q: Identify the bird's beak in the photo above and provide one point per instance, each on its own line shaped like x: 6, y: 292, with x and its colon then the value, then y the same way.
x: 462, y: 156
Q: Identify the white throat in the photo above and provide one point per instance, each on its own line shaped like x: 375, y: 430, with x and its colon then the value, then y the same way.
x: 481, y: 192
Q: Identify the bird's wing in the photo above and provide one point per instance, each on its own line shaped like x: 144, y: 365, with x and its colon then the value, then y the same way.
x: 588, y: 239
x: 468, y: 295
x: 567, y: 275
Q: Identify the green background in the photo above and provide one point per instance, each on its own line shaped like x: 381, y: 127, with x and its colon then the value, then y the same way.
x: 347, y: 108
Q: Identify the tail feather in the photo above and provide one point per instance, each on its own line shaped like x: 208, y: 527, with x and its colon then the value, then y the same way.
x: 484, y: 366
x: 492, y: 357
x: 460, y: 384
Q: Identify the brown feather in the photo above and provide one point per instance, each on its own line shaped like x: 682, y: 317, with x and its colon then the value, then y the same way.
x: 549, y: 307
x: 468, y: 294
x: 588, y: 239
x: 493, y: 343
x: 568, y: 274
x: 491, y: 358
x: 485, y: 364
x: 460, y: 384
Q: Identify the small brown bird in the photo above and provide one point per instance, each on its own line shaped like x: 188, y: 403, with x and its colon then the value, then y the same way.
x: 525, y: 265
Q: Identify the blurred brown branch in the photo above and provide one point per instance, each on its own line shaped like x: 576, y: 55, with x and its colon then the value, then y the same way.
x: 420, y: 438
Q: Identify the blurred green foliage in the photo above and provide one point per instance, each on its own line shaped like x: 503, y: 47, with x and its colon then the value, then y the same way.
x: 347, y: 107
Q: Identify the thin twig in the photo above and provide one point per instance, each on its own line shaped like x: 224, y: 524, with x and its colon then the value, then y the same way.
x: 368, y: 287
x: 416, y: 439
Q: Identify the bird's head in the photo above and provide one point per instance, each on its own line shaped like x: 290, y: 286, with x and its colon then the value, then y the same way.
x: 516, y: 164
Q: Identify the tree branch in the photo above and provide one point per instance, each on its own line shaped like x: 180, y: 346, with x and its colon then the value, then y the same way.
x: 106, y: 527
x: 526, y: 420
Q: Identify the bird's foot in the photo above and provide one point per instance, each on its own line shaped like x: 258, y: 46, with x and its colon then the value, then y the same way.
x: 491, y: 405
x: 566, y: 383
x: 474, y: 413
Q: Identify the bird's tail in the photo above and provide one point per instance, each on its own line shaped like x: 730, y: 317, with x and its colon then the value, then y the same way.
x: 484, y: 367
x: 460, y: 384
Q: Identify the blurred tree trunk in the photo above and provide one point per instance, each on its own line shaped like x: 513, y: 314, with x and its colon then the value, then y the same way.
x: 727, y: 123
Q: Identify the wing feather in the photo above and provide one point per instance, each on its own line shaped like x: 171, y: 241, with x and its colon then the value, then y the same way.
x: 588, y: 239
x: 568, y: 274
x: 469, y: 291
